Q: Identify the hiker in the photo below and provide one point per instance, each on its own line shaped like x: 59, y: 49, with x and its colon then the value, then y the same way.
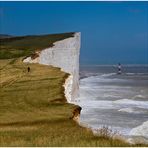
x: 28, y: 69
x: 119, y: 68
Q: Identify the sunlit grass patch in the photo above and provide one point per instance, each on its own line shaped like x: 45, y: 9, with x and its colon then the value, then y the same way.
x: 34, y: 112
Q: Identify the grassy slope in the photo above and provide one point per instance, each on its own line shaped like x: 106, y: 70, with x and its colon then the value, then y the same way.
x: 28, y: 117
x: 23, y: 46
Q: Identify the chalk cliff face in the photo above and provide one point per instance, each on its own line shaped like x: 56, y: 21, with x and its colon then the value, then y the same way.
x: 68, y: 86
x: 64, y: 54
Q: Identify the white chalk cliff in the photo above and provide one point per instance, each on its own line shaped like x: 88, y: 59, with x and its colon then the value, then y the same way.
x: 64, y: 54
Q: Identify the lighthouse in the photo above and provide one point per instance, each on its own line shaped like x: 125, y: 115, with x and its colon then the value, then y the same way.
x: 119, y: 68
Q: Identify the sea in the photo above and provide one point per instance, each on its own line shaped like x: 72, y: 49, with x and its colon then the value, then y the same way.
x: 116, y: 101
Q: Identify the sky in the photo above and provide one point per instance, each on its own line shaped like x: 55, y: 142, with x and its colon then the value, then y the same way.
x: 111, y: 32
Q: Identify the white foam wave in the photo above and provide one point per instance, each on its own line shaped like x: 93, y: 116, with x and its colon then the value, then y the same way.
x: 130, y: 73
x: 102, y: 92
x: 141, y: 104
x: 141, y: 130
x: 139, y: 96
x: 128, y: 110
x: 95, y: 79
x: 112, y: 95
x: 96, y: 104
x: 133, y: 110
x: 108, y: 74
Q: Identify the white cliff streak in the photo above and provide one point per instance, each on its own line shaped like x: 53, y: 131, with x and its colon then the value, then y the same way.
x: 68, y: 88
x: 29, y: 60
x: 64, y: 54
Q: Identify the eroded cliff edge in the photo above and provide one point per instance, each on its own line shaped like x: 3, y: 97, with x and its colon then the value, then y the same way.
x: 64, y: 54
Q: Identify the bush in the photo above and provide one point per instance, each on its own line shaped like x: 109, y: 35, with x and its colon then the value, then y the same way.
x: 106, y: 132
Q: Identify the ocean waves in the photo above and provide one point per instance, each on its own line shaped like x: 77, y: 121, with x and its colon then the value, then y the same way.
x: 119, y: 101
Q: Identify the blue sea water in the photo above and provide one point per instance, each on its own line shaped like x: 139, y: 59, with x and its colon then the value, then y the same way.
x: 117, y: 101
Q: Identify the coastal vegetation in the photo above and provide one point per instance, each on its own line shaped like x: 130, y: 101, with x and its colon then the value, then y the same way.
x: 14, y: 47
x: 29, y: 116
x: 33, y: 107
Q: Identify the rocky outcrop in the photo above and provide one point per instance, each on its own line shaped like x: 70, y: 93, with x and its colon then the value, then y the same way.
x: 76, y: 114
x: 63, y: 54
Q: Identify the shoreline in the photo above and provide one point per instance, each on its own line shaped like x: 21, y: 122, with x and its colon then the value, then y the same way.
x: 131, y: 138
x: 77, y: 111
x: 67, y: 93
x: 48, y: 120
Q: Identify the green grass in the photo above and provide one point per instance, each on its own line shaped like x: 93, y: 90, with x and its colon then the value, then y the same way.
x: 26, y: 45
x: 30, y: 117
x: 33, y: 108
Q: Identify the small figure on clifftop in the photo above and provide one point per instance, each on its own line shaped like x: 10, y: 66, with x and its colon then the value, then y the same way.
x: 119, y: 68
x: 28, y: 69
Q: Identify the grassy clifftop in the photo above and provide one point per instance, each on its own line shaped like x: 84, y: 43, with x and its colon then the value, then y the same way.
x: 33, y: 108
x: 14, y: 47
x: 34, y: 112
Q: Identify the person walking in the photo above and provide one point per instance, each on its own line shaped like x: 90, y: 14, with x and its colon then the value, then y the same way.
x: 28, y: 69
